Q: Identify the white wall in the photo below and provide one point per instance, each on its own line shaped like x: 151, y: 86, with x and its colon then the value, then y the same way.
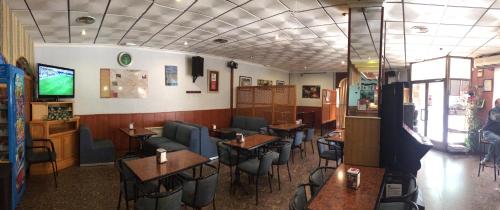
x: 87, y: 60
x: 325, y: 80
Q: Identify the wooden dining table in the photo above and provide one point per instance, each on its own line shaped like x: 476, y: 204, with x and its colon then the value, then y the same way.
x: 336, y: 195
x: 286, y: 128
x: 147, y: 169
x: 140, y: 134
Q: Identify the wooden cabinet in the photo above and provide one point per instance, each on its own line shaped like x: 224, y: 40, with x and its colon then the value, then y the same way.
x: 63, y: 133
x: 362, y: 141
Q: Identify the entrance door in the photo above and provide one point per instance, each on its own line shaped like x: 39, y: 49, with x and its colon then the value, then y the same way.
x: 428, y: 98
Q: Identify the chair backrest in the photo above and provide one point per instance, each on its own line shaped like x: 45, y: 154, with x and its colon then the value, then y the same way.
x: 86, y: 140
x: 299, y: 136
x: 172, y: 200
x: 285, y: 153
x: 127, y: 177
x: 322, y: 145
x: 265, y: 163
x: 299, y: 199
x: 318, y: 178
x: 309, y: 134
x: 205, y: 187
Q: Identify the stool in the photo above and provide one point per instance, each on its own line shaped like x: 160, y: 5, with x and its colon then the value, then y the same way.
x: 482, y: 152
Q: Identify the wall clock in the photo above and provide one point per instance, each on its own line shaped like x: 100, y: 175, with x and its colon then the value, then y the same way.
x: 124, y: 59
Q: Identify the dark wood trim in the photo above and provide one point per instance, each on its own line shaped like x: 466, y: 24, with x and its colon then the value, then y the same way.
x: 231, y: 95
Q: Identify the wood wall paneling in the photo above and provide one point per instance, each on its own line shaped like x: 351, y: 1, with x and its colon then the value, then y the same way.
x: 488, y: 96
x: 362, y: 141
x: 106, y: 126
x: 317, y: 114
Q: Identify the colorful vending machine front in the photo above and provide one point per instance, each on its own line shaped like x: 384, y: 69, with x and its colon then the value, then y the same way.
x: 12, y: 125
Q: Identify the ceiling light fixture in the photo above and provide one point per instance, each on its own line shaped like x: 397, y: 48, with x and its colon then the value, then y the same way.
x: 85, y: 20
x: 343, y: 62
x: 220, y: 41
x: 419, y: 29
x: 185, y: 43
x: 84, y: 32
x: 277, y: 37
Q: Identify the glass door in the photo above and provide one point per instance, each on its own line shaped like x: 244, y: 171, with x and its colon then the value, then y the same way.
x: 457, y: 110
x: 428, y: 98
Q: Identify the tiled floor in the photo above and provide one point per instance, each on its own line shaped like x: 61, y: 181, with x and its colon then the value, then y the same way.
x: 447, y: 182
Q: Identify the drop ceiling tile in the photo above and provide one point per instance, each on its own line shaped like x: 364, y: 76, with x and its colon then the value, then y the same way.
x: 452, y: 30
x: 238, y: 34
x: 423, y: 13
x: 118, y: 21
x: 301, y: 5
x: 53, y: 5
x: 327, y: 30
x: 490, y: 18
x: 473, y: 42
x: 137, y: 37
x: 339, y: 15
x: 16, y: 5
x: 217, y: 26
x: 238, y: 17
x: 56, y: 34
x: 260, y: 27
x: 200, y: 34
x: 264, y: 8
x: 175, y: 30
x: 24, y: 17
x: 161, y: 14
x: 493, y: 43
x: 132, y: 8
x: 159, y: 41
x: 302, y: 33
x: 111, y: 33
x: 51, y: 18
x: 101, y: 40
x: 463, y: 16
x: 191, y: 19
x: 314, y: 17
x: 469, y: 3
x: 284, y: 21
x: 483, y: 32
x: 433, y: 2
x: 89, y: 6
x: 149, y: 26
x: 212, y: 8
x: 393, y: 12
x: 77, y: 37
x: 419, y: 39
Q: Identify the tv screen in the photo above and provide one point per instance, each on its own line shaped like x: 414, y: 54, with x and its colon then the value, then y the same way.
x: 55, y: 82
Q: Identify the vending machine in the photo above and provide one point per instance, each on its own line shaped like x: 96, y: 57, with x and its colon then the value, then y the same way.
x: 12, y: 128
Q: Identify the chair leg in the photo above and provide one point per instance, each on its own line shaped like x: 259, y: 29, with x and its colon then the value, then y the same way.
x: 312, y: 146
x: 326, y: 164
x: 279, y: 181
x: 301, y: 151
x: 257, y: 191
x: 57, y: 170
x: 293, y: 155
x: 119, y: 200
x: 288, y: 167
x: 319, y: 162
x: 54, y: 173
x: 213, y: 204
x: 269, y: 180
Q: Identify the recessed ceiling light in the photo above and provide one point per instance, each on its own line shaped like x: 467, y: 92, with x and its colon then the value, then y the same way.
x: 343, y: 62
x: 85, y: 19
x: 185, y: 43
x: 178, y: 0
x: 277, y: 37
x: 220, y: 41
x: 84, y: 32
x: 419, y: 29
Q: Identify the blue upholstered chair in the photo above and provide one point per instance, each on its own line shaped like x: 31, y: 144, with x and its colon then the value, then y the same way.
x: 318, y: 178
x: 309, y: 137
x: 257, y: 168
x: 200, y: 192
x: 99, y: 152
x: 299, y: 200
x: 328, y: 152
x: 281, y: 157
x: 298, y: 143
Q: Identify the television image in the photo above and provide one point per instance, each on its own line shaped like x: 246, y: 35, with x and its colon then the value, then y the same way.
x: 55, y: 82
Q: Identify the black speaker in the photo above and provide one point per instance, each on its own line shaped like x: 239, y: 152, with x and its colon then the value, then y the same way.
x: 232, y: 64
x: 197, y: 67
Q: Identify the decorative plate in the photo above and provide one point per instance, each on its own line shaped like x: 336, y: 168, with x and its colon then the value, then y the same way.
x: 124, y: 59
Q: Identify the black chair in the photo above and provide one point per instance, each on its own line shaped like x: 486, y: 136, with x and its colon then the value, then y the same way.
x: 484, y: 147
x: 318, y: 178
x: 170, y: 200
x: 130, y: 187
x: 328, y: 152
x: 309, y: 137
x: 408, y: 183
x: 200, y: 192
x: 281, y: 157
x: 298, y: 143
x: 257, y: 168
x: 40, y: 154
x: 397, y: 205
x: 299, y: 200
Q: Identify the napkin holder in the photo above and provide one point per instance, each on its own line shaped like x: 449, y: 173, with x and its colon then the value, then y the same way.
x: 240, y: 138
x: 161, y: 155
x: 353, y: 178
x: 131, y: 126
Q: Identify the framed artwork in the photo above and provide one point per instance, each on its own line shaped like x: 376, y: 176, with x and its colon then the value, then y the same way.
x: 487, y: 85
x: 171, y: 75
x: 311, y: 91
x: 245, y: 81
x: 213, y: 81
x: 262, y: 82
x: 479, y: 73
x: 280, y: 82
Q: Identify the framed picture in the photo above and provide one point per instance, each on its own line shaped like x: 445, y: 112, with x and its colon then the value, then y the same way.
x: 487, y: 85
x: 213, y: 81
x: 262, y: 82
x: 311, y: 91
x: 479, y: 73
x: 245, y: 81
x: 280, y: 82
x: 171, y: 75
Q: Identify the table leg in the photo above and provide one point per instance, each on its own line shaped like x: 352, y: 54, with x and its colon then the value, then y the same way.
x: 129, y: 144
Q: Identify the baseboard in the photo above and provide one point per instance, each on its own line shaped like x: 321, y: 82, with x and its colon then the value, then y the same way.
x: 97, y: 164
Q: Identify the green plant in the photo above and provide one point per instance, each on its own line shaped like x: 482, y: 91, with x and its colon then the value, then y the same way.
x: 474, y: 123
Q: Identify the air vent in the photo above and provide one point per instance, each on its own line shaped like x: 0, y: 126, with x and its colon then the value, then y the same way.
x: 220, y: 41
x: 85, y: 20
x: 419, y: 29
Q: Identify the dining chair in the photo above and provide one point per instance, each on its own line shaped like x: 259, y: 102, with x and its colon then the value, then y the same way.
x: 299, y: 200
x: 328, y: 152
x: 395, y: 204
x: 297, y: 143
x: 168, y: 200
x: 257, y: 168
x: 228, y: 157
x: 318, y: 178
x: 309, y: 138
x: 41, y: 154
x: 200, y: 192
x: 408, y: 182
x: 130, y: 187
x: 281, y: 157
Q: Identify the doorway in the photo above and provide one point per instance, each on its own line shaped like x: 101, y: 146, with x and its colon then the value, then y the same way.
x: 428, y: 100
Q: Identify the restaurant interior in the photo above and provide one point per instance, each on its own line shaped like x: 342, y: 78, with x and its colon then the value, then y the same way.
x: 249, y: 104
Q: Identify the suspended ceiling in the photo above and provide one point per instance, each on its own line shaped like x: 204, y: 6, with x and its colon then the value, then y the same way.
x: 295, y: 35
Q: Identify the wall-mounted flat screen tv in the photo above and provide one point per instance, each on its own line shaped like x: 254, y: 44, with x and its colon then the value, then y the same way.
x: 55, y: 82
